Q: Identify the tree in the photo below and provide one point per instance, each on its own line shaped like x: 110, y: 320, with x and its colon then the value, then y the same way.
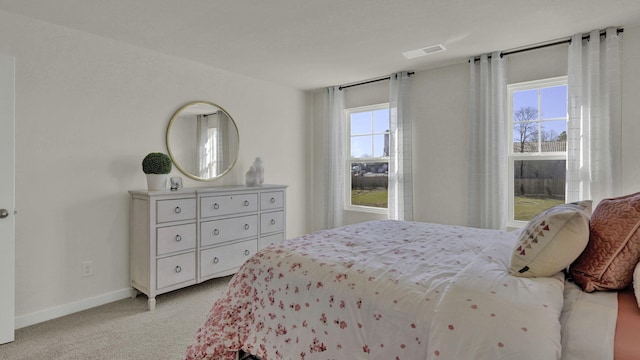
x: 525, y: 130
x: 549, y: 135
x: 562, y: 136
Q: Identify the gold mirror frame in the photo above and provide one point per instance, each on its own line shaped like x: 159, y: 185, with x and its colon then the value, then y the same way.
x: 176, y: 149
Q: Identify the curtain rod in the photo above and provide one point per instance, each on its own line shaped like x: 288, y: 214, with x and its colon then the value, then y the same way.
x: 369, y: 81
x: 541, y: 46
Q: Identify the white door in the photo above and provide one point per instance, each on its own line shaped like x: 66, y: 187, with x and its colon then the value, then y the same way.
x: 7, y: 200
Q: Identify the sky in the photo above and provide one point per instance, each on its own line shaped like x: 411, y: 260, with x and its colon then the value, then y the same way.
x: 553, y: 105
x: 373, y: 124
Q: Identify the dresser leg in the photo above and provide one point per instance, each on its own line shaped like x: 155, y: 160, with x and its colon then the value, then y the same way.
x: 134, y: 293
x: 152, y: 304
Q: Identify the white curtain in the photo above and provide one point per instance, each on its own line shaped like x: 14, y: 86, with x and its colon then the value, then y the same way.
x: 487, y: 202
x: 334, y: 157
x: 594, y: 127
x: 400, y: 171
x: 209, y: 132
x: 202, y: 129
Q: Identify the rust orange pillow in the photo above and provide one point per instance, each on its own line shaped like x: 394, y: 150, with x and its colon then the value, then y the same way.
x: 613, y: 250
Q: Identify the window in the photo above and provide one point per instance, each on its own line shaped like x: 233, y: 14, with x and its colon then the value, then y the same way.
x: 211, y: 154
x: 209, y: 132
x: 538, y: 151
x: 368, y: 162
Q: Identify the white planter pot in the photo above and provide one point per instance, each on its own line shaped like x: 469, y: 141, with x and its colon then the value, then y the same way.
x: 156, y: 182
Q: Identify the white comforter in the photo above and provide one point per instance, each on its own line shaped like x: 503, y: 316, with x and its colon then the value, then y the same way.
x: 385, y: 290
x: 487, y: 314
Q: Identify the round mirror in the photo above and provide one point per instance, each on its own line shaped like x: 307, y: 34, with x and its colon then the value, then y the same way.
x: 202, y: 140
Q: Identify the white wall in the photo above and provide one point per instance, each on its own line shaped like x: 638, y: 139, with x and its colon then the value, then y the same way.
x: 630, y: 141
x: 440, y: 108
x: 88, y: 110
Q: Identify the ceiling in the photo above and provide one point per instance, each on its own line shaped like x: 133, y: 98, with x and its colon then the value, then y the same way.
x: 309, y: 44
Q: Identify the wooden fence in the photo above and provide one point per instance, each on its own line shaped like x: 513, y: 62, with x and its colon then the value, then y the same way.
x: 369, y: 182
x: 539, y: 187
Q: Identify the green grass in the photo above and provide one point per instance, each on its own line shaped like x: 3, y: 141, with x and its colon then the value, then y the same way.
x: 374, y: 198
x: 526, y: 208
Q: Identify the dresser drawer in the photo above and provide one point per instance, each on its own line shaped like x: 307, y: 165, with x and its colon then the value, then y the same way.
x: 175, y: 210
x: 228, y: 204
x: 265, y: 241
x: 272, y: 200
x: 219, y: 231
x: 225, y: 258
x: 176, y: 269
x: 271, y: 222
x: 176, y: 238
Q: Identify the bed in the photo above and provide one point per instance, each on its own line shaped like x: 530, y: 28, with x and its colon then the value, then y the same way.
x: 404, y: 290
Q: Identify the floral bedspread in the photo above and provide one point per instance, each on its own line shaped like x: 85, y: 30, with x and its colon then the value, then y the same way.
x: 381, y: 290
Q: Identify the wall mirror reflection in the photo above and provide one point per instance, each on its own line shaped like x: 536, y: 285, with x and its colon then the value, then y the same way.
x: 203, y: 140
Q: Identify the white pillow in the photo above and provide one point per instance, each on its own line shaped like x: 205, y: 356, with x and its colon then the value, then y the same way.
x: 551, y: 241
x: 636, y: 283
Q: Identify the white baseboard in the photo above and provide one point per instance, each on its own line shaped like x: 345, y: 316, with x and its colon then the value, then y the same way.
x: 66, y: 309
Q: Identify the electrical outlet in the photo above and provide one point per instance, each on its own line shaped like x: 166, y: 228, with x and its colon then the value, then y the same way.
x: 87, y: 268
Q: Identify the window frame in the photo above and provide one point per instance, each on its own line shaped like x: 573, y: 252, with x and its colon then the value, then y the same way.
x: 347, y: 188
x: 512, y: 156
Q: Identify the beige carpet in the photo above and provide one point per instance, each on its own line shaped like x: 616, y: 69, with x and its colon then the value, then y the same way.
x: 123, y: 329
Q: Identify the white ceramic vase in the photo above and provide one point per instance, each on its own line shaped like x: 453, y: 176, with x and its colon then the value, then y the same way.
x: 156, y: 182
x: 251, y: 178
x: 259, y: 168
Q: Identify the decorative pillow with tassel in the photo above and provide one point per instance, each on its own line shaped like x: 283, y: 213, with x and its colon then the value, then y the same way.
x: 552, y: 240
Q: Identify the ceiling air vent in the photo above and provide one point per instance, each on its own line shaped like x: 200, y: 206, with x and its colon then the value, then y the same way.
x: 424, y: 51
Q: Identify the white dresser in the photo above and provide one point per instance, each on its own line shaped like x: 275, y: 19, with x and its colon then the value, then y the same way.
x: 180, y: 238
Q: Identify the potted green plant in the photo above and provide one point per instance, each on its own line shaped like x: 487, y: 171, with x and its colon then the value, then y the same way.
x: 156, y: 166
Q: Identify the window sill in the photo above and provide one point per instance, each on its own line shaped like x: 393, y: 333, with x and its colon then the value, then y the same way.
x: 367, y: 209
x: 516, y: 224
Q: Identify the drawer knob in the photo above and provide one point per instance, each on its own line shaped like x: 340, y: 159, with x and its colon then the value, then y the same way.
x: 216, y: 260
x: 178, y: 238
x: 273, y: 200
x: 273, y: 221
x: 246, y: 203
x: 246, y: 226
x: 247, y: 252
x: 216, y: 232
x: 178, y: 269
x: 216, y: 206
x: 177, y: 210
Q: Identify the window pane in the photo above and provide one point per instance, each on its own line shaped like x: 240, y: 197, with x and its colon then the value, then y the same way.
x: 361, y: 147
x: 369, y: 184
x: 538, y: 185
x: 525, y: 98
x: 525, y: 137
x: 381, y: 121
x: 554, y: 136
x: 361, y: 123
x: 525, y: 147
x: 379, y: 148
x: 552, y: 130
x: 553, y: 102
